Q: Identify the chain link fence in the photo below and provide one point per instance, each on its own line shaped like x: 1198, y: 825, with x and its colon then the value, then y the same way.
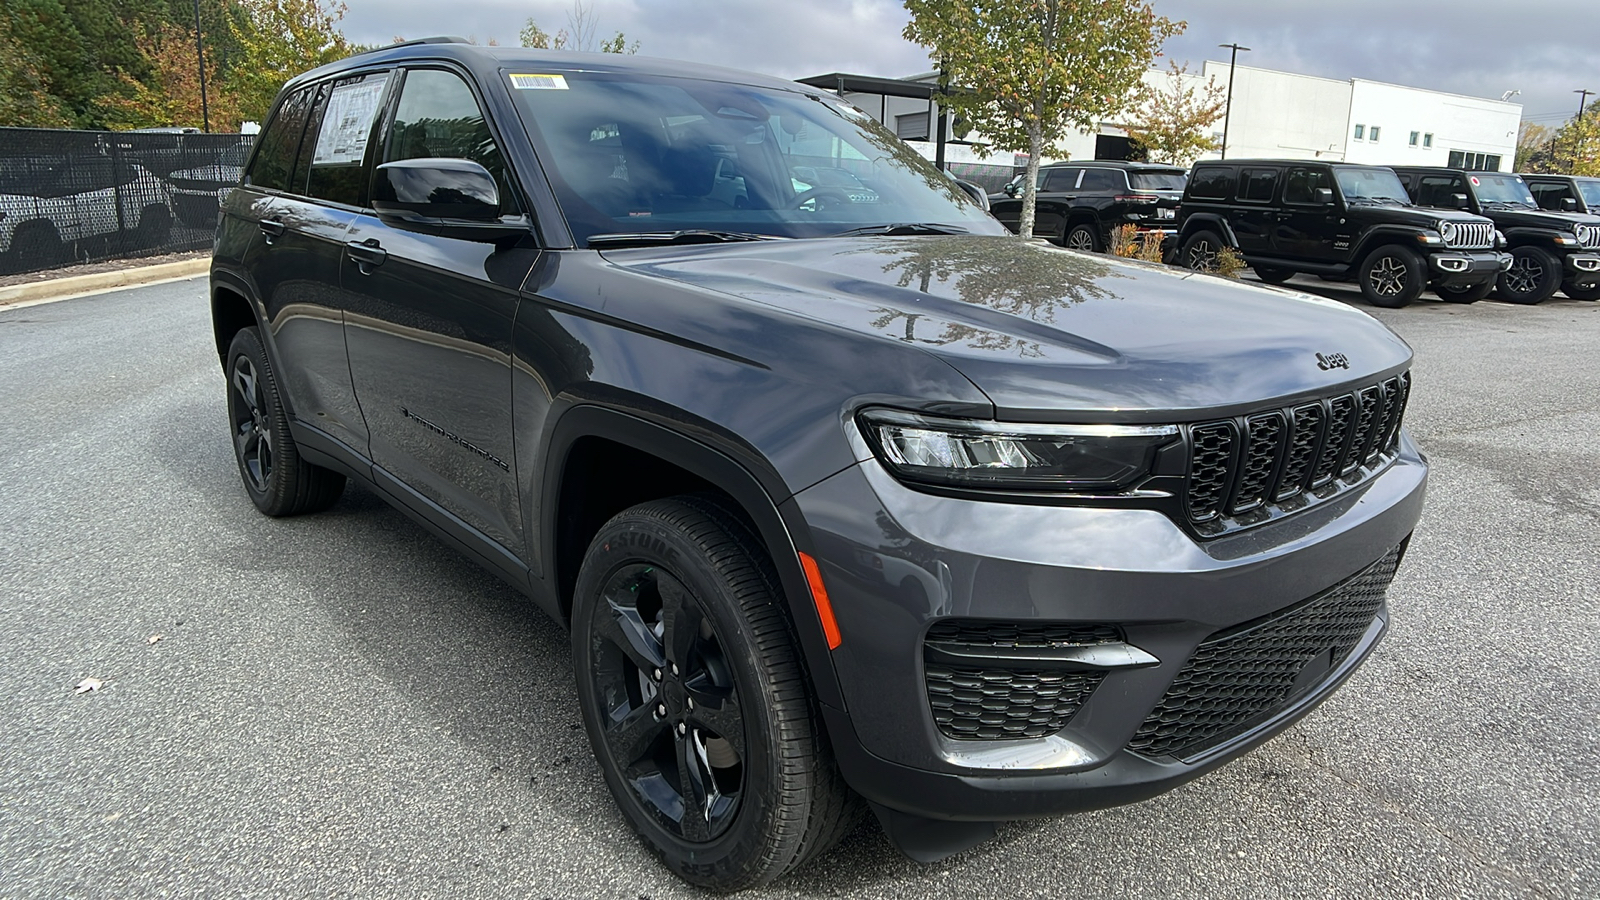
x: 84, y: 196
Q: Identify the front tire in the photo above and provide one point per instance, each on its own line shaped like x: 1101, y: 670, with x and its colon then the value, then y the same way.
x: 278, y: 480
x: 695, y: 698
x: 1392, y: 276
x: 1470, y: 293
x: 1273, y: 275
x: 1200, y: 251
x: 1581, y: 292
x: 1534, y: 276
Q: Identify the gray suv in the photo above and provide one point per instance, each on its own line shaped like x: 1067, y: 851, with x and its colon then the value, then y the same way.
x: 849, y: 504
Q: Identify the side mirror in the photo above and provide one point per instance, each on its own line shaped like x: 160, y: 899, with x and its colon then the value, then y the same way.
x: 1569, y: 204
x: 1011, y: 188
x: 1460, y: 201
x: 977, y: 194
x: 1323, y: 196
x: 456, y: 197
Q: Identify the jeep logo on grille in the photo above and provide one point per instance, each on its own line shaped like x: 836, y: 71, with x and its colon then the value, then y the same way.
x: 1332, y: 361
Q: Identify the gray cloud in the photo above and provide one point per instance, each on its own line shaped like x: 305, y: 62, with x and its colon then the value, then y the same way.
x: 1543, y: 48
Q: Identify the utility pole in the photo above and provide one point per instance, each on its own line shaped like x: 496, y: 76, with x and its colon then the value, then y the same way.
x: 200, y: 54
x: 1227, y: 113
x: 1583, y: 97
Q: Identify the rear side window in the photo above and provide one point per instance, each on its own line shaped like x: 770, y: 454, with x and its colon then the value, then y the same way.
x: 275, y: 160
x: 1212, y: 183
x: 341, y: 140
x: 1300, y: 186
x: 1102, y: 180
x: 439, y: 117
x: 1061, y: 179
x: 1257, y: 185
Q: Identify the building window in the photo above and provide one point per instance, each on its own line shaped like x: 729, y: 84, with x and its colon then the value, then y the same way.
x: 1415, y: 135
x: 913, y: 127
x: 1427, y: 140
x: 1361, y: 132
x: 1373, y: 134
x: 1474, y: 162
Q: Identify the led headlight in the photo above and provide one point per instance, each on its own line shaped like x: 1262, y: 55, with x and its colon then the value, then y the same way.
x: 1002, y: 455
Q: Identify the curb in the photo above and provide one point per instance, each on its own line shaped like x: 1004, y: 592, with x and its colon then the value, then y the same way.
x: 58, y: 288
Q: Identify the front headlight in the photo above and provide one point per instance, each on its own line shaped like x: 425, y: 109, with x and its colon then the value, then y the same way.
x: 1006, y: 456
x: 1447, y: 231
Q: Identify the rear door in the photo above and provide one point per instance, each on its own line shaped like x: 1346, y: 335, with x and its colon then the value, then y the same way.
x: 430, y: 327
x: 1057, y: 193
x: 1254, y: 216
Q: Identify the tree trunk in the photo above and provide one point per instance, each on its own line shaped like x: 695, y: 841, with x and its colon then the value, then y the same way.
x: 1030, y: 181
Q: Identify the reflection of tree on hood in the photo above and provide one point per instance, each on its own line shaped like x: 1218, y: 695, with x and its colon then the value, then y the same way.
x: 1008, y: 275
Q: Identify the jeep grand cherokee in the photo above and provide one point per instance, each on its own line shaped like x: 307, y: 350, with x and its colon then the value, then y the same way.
x: 848, y: 505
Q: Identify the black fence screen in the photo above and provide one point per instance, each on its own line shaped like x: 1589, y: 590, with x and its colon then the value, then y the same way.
x: 84, y: 196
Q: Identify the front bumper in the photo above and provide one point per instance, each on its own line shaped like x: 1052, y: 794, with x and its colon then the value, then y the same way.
x: 896, y: 561
x: 1458, y: 268
x: 1582, y: 268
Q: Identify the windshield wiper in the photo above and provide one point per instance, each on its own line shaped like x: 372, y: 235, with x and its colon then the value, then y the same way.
x: 900, y: 228
x: 685, y: 236
x: 1505, y: 204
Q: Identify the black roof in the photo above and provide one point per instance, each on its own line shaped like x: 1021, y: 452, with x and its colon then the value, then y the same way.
x: 1550, y: 176
x: 1241, y: 161
x: 1113, y: 164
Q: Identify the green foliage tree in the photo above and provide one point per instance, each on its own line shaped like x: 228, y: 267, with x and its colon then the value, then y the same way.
x: 1031, y: 71
x: 1533, y: 148
x: 1577, y: 144
x: 25, y: 97
x: 1170, y: 122
x: 279, y: 39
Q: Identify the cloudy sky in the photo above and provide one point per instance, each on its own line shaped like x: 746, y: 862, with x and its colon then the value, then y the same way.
x: 1544, y: 48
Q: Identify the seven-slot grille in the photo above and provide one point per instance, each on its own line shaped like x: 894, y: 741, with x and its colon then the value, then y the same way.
x: 1469, y: 235
x: 1240, y: 466
x: 999, y: 700
x: 1589, y: 236
x: 1243, y: 675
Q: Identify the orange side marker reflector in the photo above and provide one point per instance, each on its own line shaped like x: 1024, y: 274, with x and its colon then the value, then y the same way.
x: 819, y: 596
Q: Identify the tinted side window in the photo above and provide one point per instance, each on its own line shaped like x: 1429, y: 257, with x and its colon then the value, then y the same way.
x: 1060, y: 179
x: 1437, y: 190
x: 275, y: 160
x: 1257, y: 185
x: 1102, y: 180
x: 297, y: 181
x: 1549, y: 196
x: 1300, y: 186
x: 340, y: 149
x: 438, y: 117
x: 1212, y: 183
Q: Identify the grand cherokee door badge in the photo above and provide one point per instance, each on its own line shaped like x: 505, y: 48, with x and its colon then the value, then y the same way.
x: 456, y: 439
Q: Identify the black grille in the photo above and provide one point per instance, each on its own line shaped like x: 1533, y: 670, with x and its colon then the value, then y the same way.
x: 1240, y: 469
x: 1239, y: 677
x: 1002, y: 702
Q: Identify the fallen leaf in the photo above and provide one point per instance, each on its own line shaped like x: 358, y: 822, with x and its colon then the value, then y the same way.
x: 155, y: 639
x: 89, y: 684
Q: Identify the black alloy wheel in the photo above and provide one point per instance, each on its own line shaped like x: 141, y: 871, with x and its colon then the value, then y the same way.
x: 1578, y: 291
x: 1465, y: 293
x: 1392, y: 276
x: 1273, y: 275
x: 278, y: 481
x: 1534, y: 276
x: 1200, y: 252
x: 1082, y: 237
x: 695, y: 700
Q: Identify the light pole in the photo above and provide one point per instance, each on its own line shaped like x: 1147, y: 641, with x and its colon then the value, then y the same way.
x: 1227, y: 113
x: 200, y: 54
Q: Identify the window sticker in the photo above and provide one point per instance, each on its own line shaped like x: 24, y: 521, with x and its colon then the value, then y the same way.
x: 539, y: 82
x: 348, y: 122
x: 1475, y: 181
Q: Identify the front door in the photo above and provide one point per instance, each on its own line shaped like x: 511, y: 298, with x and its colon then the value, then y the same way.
x: 1308, y: 228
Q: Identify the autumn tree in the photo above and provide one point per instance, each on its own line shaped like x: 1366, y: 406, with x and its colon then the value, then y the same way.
x: 1577, y: 144
x: 25, y: 98
x: 582, y: 26
x: 170, y: 94
x: 1029, y: 72
x: 279, y: 39
x: 1533, y: 148
x: 1171, y: 121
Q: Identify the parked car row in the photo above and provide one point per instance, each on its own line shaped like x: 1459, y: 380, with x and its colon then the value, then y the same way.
x: 1393, y: 231
x: 50, y: 205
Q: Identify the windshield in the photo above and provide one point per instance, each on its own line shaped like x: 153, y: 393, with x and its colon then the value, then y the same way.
x: 1590, y: 189
x: 637, y: 153
x: 1373, y: 184
x: 1501, y: 189
x: 1157, y: 181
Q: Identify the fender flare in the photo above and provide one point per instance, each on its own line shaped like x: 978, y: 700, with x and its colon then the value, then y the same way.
x: 1213, y: 221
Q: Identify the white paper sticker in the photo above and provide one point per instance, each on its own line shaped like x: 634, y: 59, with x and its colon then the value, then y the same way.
x: 348, y: 122
x: 539, y: 82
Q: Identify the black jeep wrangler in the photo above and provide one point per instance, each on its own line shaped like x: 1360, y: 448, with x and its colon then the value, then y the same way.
x: 1564, y: 193
x: 1550, y: 250
x: 1080, y: 203
x: 1340, y: 222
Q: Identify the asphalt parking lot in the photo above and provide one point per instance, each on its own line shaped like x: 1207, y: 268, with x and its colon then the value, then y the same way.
x: 339, y: 705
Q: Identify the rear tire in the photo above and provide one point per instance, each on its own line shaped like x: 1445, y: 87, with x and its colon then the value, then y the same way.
x: 1082, y: 236
x: 1392, y: 276
x: 695, y: 698
x: 1576, y: 292
x: 1471, y: 293
x: 278, y: 481
x: 155, y: 226
x: 1534, y: 276
x: 1200, y: 251
x: 1273, y: 275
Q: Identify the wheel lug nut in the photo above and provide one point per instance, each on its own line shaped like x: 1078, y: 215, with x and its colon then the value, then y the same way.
x: 656, y: 674
x: 683, y: 728
x: 661, y: 710
x: 674, y: 669
x: 689, y: 701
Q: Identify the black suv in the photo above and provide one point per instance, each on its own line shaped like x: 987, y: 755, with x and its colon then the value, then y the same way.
x: 1551, y: 250
x: 1340, y: 222
x: 847, y: 504
x: 1564, y: 193
x: 1078, y: 204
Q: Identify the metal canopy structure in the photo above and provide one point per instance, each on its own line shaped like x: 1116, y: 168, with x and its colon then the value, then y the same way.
x: 839, y: 83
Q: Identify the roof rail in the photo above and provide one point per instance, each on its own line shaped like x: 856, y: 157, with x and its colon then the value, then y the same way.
x: 437, y: 39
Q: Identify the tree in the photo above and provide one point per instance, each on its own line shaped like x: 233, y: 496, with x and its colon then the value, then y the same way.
x: 1533, y: 148
x: 1170, y: 122
x: 25, y: 98
x: 279, y: 39
x: 170, y: 94
x: 1577, y: 144
x: 582, y: 24
x: 1029, y: 71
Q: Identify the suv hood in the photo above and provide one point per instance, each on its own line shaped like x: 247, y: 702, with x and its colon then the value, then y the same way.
x: 1050, y: 334
x: 1415, y: 216
x: 1540, y: 218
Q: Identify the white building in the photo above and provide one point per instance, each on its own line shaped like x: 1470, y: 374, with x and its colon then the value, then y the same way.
x: 1274, y: 115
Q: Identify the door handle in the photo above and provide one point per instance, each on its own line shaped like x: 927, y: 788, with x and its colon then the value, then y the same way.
x: 272, y: 228
x: 366, y: 254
